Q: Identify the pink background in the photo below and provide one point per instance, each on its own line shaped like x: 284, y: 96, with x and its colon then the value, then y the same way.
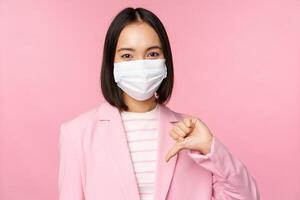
x: 237, y: 67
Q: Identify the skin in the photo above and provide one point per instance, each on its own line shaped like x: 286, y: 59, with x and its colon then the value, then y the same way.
x: 140, y: 41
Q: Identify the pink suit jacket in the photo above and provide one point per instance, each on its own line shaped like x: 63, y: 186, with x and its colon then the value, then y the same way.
x: 95, y: 163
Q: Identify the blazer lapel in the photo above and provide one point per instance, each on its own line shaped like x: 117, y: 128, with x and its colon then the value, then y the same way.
x: 164, y: 170
x: 118, y: 149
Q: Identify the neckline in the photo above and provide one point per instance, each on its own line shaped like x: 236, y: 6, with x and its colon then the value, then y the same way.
x: 155, y: 109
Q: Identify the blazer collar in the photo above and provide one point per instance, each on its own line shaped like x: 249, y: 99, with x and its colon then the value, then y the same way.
x: 117, y: 148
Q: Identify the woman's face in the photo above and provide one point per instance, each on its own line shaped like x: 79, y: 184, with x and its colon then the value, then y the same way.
x: 138, y: 41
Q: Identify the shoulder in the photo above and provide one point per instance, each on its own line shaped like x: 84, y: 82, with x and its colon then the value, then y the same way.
x: 72, y: 128
x: 83, y: 118
x: 178, y: 114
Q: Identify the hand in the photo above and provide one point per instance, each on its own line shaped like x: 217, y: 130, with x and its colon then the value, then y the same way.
x: 190, y: 133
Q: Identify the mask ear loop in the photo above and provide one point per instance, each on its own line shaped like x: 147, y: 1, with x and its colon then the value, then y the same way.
x: 156, y: 95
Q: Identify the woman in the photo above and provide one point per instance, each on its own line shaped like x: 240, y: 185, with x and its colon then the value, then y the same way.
x: 133, y: 146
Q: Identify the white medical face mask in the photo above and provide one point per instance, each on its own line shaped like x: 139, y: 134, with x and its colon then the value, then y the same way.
x: 140, y: 78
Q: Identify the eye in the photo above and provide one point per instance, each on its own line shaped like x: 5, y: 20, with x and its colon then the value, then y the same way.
x: 126, y: 55
x: 153, y: 54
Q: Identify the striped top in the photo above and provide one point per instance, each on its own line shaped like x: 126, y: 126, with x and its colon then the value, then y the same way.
x: 142, y: 136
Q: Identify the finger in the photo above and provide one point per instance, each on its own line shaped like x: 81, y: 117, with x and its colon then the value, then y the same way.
x: 183, y: 127
x: 174, y: 135
x: 173, y: 151
x: 179, y: 131
x: 187, y: 122
x: 194, y: 121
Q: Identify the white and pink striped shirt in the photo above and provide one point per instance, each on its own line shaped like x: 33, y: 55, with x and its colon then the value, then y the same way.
x: 142, y: 136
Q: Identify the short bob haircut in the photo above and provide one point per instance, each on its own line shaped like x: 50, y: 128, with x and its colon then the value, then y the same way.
x: 111, y: 92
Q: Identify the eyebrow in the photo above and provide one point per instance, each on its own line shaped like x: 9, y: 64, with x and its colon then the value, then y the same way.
x: 131, y: 49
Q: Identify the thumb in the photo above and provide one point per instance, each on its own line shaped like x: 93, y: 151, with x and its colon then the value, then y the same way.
x: 173, y: 151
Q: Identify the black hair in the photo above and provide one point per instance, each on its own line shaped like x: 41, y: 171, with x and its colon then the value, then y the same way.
x: 111, y: 92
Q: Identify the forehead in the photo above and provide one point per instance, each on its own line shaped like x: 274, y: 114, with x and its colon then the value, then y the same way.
x: 138, y: 35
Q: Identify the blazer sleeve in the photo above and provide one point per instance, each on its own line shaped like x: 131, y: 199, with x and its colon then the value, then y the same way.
x: 69, y: 178
x: 231, y: 179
